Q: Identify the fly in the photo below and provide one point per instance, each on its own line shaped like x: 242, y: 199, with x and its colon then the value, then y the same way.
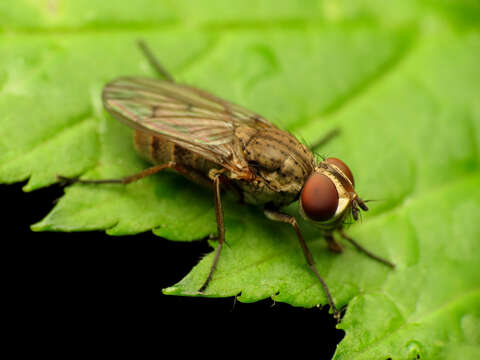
x: 223, y: 146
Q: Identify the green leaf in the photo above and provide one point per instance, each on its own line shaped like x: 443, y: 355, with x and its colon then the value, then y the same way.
x: 401, y: 80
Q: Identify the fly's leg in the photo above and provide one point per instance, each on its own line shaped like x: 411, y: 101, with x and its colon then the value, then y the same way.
x: 325, y: 139
x: 366, y: 251
x: 333, y: 245
x: 154, y: 61
x: 278, y: 216
x: 132, y: 178
x: 125, y: 180
x: 220, y: 228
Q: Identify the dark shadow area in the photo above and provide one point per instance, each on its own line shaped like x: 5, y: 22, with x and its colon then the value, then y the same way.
x: 95, y: 278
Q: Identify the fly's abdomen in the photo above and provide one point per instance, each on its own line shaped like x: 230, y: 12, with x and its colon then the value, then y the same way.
x: 153, y: 148
x: 157, y: 150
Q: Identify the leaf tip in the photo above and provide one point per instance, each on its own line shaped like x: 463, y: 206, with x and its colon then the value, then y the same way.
x: 39, y: 226
x: 172, y: 290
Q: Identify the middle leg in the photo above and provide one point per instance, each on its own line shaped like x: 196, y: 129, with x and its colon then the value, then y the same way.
x: 366, y: 251
x: 220, y: 228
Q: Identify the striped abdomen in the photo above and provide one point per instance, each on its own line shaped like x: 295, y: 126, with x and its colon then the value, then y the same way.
x: 156, y: 150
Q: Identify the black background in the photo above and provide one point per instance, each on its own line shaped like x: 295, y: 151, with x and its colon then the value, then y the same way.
x: 88, y: 277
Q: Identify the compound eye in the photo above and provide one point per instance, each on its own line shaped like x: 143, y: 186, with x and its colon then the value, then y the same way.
x: 342, y: 166
x: 319, y: 198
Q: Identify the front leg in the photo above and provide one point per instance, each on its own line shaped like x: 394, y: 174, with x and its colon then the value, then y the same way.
x: 333, y: 245
x: 278, y: 216
x: 325, y: 139
x: 366, y: 251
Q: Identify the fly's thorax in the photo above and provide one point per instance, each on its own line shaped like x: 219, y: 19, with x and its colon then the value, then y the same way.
x: 280, y: 162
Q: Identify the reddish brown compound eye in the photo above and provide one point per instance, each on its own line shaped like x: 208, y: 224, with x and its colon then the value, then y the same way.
x: 342, y: 166
x: 319, y: 198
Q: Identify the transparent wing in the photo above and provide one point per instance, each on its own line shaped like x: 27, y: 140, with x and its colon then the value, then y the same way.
x: 190, y: 117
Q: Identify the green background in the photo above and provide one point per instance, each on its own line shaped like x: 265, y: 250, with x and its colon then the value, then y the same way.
x: 402, y: 81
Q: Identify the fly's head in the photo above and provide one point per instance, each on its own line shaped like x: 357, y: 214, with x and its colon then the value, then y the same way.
x: 328, y: 195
